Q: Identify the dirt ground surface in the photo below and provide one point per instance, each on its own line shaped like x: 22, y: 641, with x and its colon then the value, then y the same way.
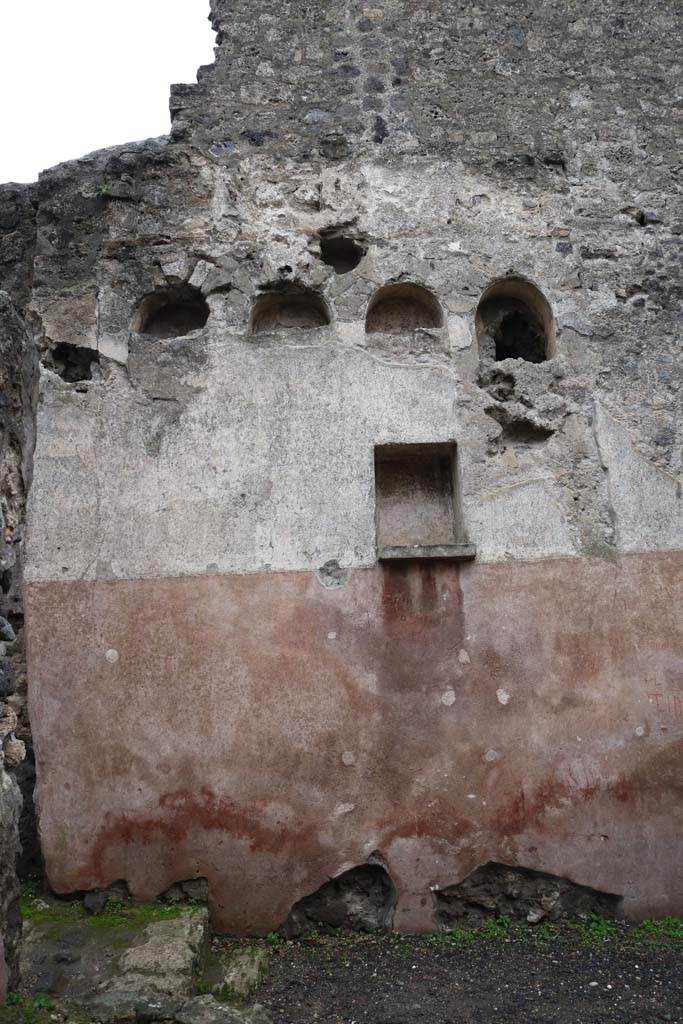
x: 590, y: 975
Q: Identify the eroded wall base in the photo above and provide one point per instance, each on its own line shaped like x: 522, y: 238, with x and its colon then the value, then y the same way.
x: 269, y: 732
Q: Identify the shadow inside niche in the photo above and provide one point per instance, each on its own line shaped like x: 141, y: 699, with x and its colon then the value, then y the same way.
x: 522, y: 894
x: 171, y: 312
x: 361, y: 899
x: 518, y: 336
x: 403, y: 307
x: 284, y: 309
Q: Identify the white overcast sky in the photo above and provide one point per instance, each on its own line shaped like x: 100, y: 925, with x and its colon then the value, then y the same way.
x: 79, y: 75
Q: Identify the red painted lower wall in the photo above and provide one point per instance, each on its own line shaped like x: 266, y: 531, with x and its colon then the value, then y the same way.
x: 267, y: 732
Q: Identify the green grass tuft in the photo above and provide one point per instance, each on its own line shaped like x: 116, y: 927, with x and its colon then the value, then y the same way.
x: 496, y: 928
x: 664, y: 928
x: 596, y: 930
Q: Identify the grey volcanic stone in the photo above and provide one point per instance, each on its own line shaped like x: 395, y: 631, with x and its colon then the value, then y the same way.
x: 6, y: 678
x: 167, y: 958
x: 205, y: 1010
x: 241, y: 976
x: 7, y: 633
x: 10, y: 918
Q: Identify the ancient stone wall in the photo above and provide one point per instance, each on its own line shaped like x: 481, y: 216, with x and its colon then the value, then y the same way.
x: 18, y: 375
x: 401, y: 283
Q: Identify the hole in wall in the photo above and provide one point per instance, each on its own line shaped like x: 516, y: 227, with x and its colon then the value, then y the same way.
x: 287, y: 309
x: 514, y: 321
x: 95, y: 900
x: 518, y: 427
x: 361, y: 899
x: 497, y: 890
x: 72, y: 362
x: 171, y: 312
x: 399, y: 308
x: 341, y: 252
x: 190, y: 890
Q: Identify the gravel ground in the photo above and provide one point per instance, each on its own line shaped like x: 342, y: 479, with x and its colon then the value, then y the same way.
x: 570, y: 976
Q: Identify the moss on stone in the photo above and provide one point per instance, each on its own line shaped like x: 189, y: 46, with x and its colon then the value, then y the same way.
x: 49, y: 910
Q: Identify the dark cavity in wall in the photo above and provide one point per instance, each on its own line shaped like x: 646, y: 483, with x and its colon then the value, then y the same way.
x: 497, y: 890
x: 362, y: 899
x: 341, y: 251
x: 72, y: 362
x: 518, y: 424
x: 191, y: 890
x: 514, y: 321
x: 519, y: 337
x: 171, y: 312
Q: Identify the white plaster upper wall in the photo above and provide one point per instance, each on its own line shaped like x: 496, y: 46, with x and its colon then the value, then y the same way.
x: 271, y: 466
x: 523, y: 520
x: 647, y: 503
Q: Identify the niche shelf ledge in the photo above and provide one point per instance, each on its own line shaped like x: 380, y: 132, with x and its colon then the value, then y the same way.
x: 444, y: 552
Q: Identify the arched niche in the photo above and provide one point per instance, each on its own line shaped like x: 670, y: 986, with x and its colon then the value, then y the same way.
x: 514, y: 321
x: 171, y: 312
x: 401, y: 308
x: 288, y: 309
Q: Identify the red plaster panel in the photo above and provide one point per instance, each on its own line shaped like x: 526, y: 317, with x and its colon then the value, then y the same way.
x: 268, y: 732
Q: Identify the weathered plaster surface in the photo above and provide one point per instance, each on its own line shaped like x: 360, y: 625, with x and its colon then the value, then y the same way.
x: 268, y: 732
x: 275, y: 432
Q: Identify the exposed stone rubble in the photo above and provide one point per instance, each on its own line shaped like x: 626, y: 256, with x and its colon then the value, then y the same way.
x: 10, y: 920
x: 496, y: 890
x: 361, y: 899
x: 18, y: 368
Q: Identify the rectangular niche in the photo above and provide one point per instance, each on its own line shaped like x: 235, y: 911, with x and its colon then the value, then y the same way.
x: 417, y: 510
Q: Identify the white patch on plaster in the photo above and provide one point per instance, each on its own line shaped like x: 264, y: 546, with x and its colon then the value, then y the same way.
x: 463, y: 657
x: 503, y: 697
x: 640, y: 730
x: 348, y: 758
x: 369, y: 681
x: 448, y: 698
x: 471, y: 796
x: 491, y: 756
x: 343, y: 809
x: 112, y: 656
x: 332, y: 636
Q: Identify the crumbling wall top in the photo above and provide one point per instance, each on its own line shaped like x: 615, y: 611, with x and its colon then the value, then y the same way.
x: 492, y: 85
